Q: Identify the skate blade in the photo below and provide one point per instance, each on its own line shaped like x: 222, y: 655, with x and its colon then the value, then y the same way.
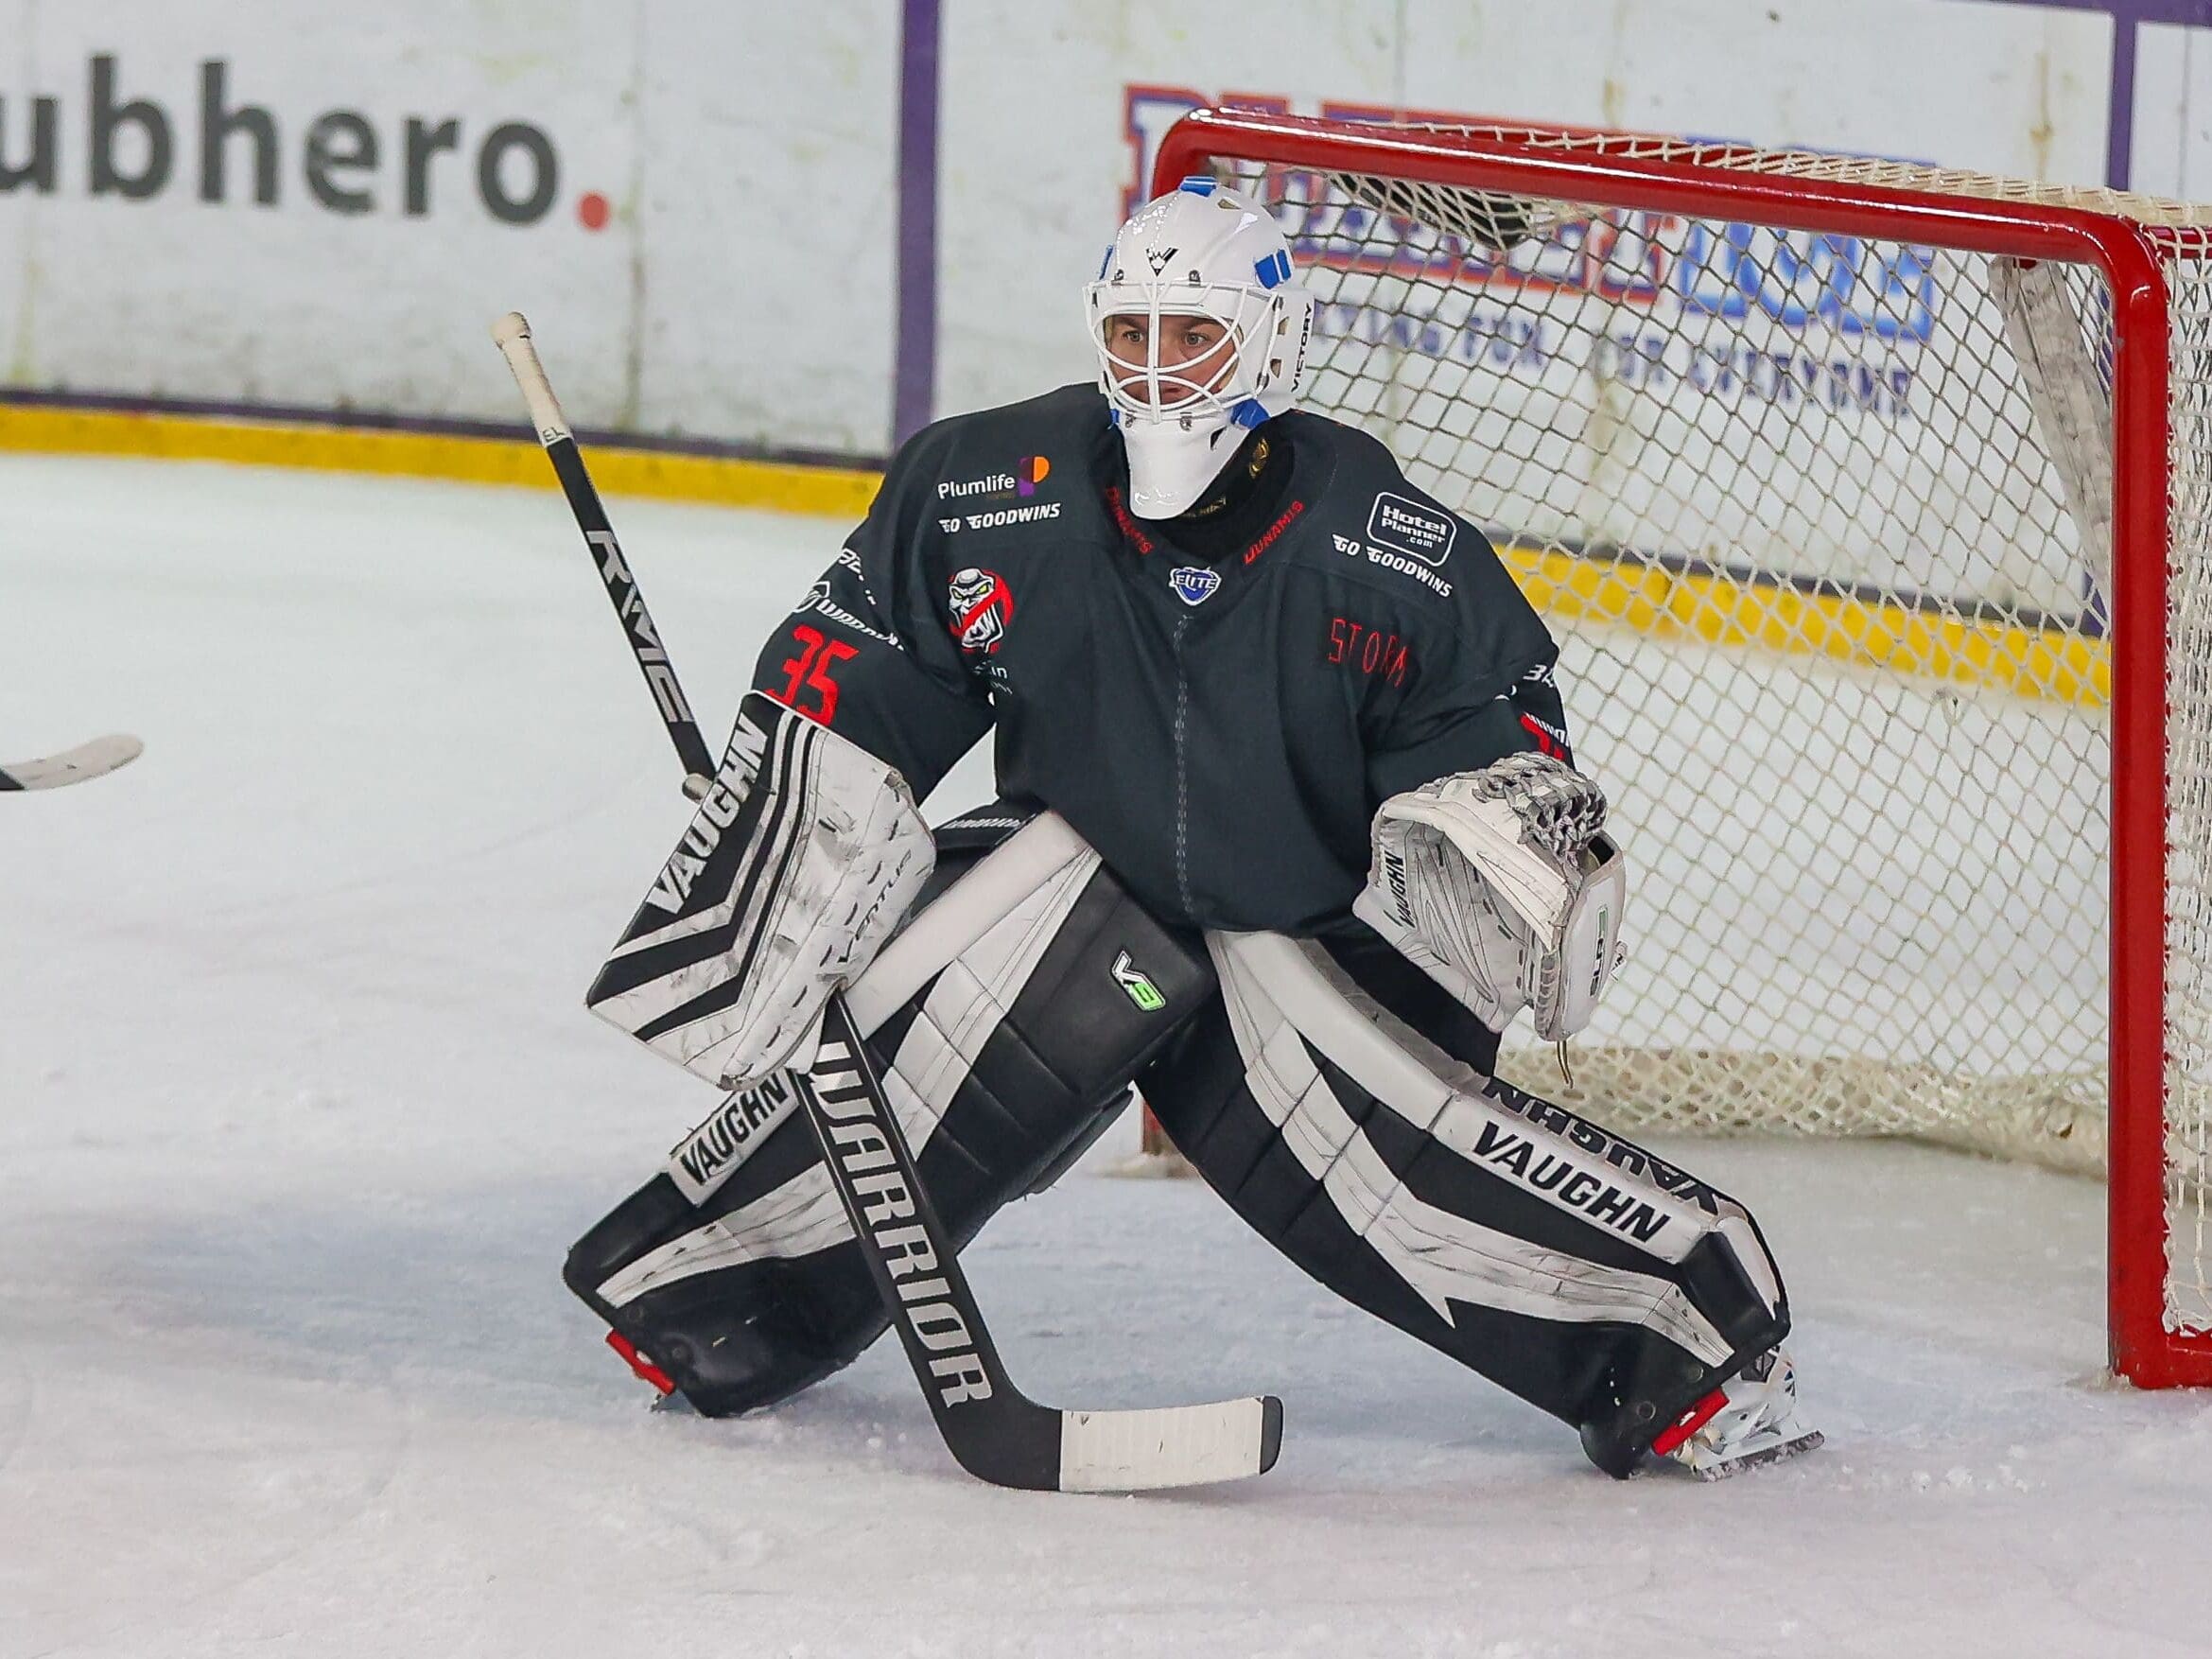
x: 1760, y: 1458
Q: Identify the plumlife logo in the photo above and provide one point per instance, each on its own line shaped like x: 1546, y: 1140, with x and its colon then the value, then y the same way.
x: 136, y: 149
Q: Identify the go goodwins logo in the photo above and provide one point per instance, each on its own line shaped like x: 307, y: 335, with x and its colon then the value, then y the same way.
x: 227, y: 148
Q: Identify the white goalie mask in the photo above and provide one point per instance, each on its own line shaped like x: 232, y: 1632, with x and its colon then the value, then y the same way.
x: 1201, y: 251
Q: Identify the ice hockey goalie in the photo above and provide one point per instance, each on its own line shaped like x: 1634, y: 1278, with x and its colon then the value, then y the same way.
x: 1290, y: 830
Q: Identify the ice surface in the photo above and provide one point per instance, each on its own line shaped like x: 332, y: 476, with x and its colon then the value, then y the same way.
x: 299, y: 1110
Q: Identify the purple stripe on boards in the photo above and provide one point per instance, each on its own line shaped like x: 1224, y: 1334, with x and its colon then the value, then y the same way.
x: 915, y: 371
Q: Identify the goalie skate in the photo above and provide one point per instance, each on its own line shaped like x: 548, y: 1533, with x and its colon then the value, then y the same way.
x: 1752, y: 1419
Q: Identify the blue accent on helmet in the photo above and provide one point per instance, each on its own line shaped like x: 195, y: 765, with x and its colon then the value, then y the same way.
x: 1113, y: 417
x: 1106, y: 263
x: 1246, y: 411
x: 1198, y: 184
x: 1274, y: 271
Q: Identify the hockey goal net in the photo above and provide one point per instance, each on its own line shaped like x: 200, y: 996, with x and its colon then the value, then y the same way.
x: 1871, y: 504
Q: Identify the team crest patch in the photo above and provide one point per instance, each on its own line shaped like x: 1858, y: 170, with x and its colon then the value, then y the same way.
x: 1194, y: 583
x: 981, y: 605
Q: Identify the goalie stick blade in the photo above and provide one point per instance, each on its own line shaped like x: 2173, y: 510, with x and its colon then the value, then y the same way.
x: 1172, y: 1445
x: 74, y: 765
x: 995, y: 1432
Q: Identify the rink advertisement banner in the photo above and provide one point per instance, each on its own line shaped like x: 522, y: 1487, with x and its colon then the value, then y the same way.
x: 1609, y: 380
x: 798, y: 230
x: 1658, y: 326
x: 222, y: 205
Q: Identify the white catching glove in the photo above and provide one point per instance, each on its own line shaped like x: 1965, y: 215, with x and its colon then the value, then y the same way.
x: 800, y: 863
x: 1499, y: 887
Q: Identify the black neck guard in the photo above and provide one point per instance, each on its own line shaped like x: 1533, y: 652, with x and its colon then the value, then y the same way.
x: 1241, y: 504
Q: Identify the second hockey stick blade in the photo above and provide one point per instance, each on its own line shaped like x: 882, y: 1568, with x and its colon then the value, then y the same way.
x: 995, y: 1432
x: 89, y: 759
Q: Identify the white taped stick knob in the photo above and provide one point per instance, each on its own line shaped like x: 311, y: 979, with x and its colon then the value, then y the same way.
x: 512, y: 335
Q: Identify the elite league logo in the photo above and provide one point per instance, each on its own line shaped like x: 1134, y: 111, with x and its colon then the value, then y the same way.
x: 1194, y: 583
x: 981, y: 605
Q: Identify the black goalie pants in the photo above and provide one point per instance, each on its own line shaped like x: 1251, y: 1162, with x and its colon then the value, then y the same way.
x: 1330, y: 1099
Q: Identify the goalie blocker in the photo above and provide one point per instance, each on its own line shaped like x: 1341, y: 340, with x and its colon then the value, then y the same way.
x: 1009, y: 1017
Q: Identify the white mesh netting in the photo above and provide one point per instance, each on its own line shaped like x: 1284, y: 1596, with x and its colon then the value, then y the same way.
x: 1823, y: 524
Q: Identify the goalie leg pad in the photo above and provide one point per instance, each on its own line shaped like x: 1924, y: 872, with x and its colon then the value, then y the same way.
x: 1591, y: 1278
x: 1006, y: 1020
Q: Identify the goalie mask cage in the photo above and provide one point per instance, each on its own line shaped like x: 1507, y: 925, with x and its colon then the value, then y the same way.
x: 1869, y: 504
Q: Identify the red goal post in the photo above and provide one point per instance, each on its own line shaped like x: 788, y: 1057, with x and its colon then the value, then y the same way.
x: 2143, y: 253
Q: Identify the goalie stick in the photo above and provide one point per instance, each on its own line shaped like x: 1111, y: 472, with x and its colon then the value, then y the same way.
x: 997, y: 1433
x: 993, y: 1430
x: 511, y: 333
x: 90, y: 760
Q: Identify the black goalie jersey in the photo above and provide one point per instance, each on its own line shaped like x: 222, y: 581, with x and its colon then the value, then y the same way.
x: 1221, y: 728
